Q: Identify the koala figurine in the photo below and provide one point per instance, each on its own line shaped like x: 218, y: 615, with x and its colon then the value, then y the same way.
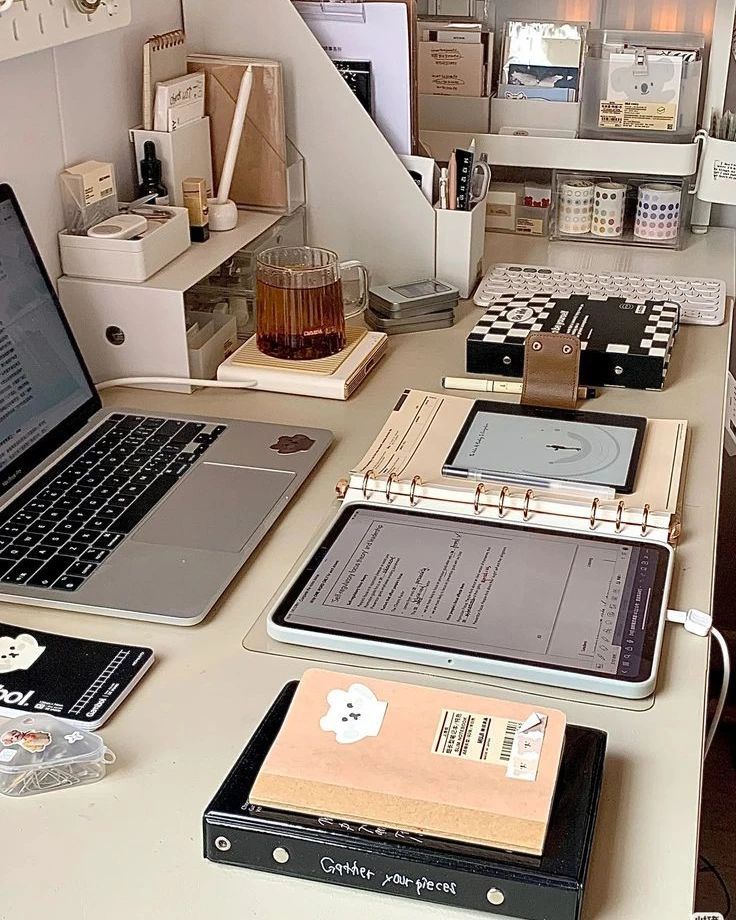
x: 641, y: 87
x: 354, y: 714
x: 20, y: 653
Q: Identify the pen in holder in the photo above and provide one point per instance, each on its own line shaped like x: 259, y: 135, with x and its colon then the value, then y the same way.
x: 223, y: 211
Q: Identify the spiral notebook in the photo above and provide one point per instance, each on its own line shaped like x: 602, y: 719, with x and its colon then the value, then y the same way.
x: 164, y: 57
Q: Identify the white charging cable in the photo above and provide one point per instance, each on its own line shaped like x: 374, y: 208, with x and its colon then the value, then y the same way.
x: 180, y: 381
x: 5, y: 5
x: 701, y: 624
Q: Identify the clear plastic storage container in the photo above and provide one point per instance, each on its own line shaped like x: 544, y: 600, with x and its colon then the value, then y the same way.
x: 632, y: 209
x: 642, y: 86
x: 39, y: 753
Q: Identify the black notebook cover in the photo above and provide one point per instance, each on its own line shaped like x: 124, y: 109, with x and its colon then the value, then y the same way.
x: 78, y: 680
x: 411, y: 865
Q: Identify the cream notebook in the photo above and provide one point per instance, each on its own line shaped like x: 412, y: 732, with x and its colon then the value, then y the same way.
x: 404, y: 465
x: 437, y: 762
x: 164, y: 57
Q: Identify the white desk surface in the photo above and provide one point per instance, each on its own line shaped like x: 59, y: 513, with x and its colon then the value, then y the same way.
x: 131, y: 846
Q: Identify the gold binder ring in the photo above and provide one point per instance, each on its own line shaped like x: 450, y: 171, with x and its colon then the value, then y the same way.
x: 594, y: 512
x: 367, y: 476
x: 644, y: 519
x: 392, y: 478
x: 619, y: 515
x: 527, y: 498
x: 502, y: 500
x: 480, y: 489
x: 416, y: 481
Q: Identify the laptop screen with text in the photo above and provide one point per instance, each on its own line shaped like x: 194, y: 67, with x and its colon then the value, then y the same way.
x: 43, y: 383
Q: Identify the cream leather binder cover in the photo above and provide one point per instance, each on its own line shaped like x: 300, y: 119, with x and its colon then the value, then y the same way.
x: 260, y: 171
x: 406, y: 459
x: 438, y: 762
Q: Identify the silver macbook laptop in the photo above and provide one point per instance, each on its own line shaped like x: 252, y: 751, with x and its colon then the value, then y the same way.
x: 117, y: 512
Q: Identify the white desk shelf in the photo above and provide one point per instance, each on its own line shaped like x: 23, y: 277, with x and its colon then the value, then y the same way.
x: 569, y: 153
x: 139, y: 330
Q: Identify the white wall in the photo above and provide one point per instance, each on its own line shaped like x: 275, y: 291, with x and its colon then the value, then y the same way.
x: 73, y: 103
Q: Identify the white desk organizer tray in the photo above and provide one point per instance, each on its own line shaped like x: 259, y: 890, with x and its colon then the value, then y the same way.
x: 126, y: 260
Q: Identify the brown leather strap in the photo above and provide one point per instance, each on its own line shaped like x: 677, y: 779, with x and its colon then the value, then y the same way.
x: 551, y: 370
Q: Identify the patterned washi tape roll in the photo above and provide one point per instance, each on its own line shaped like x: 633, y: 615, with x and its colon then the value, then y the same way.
x: 575, y: 206
x: 658, y: 212
x: 608, y: 209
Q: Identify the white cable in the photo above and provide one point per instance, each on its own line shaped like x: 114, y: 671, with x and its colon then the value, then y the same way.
x: 183, y: 381
x: 701, y: 624
x: 724, y: 689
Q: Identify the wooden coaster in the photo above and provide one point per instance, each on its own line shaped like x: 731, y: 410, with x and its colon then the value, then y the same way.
x: 248, y: 355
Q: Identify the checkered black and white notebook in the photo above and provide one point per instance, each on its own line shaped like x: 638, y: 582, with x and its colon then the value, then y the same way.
x: 623, y: 343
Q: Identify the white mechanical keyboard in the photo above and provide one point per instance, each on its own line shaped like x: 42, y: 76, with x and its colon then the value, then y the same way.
x: 702, y: 300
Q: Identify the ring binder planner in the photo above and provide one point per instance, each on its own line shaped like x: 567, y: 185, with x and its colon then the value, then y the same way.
x: 404, y: 499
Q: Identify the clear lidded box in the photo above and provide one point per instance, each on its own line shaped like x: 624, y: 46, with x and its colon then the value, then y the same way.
x: 642, y: 86
x: 39, y: 753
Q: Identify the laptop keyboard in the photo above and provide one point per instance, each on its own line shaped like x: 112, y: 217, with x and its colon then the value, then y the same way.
x: 59, y: 531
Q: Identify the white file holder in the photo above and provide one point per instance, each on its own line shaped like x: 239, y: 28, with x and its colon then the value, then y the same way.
x: 460, y: 245
x: 362, y: 202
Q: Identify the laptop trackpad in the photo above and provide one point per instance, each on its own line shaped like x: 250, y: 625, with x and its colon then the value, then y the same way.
x: 215, y: 507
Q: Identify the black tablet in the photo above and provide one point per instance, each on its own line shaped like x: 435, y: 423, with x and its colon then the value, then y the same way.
x: 525, y: 444
x: 559, y: 608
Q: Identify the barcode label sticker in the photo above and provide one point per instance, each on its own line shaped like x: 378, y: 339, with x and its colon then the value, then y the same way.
x: 526, y: 748
x: 475, y: 736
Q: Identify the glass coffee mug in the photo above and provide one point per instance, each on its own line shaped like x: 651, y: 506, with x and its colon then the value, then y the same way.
x: 300, y: 310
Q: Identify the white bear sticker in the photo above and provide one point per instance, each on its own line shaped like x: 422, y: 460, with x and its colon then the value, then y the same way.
x: 354, y: 714
x: 20, y: 653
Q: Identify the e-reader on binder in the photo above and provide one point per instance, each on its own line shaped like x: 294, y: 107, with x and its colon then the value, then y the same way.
x: 566, y: 590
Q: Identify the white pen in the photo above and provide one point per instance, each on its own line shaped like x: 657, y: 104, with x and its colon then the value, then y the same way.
x: 499, y: 386
x: 444, y: 182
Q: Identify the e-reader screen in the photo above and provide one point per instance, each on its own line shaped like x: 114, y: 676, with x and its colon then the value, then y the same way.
x: 534, y: 445
x: 578, y: 603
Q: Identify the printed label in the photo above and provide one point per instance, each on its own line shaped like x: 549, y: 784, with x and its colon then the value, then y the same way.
x: 526, y: 749
x: 724, y: 169
x: 638, y: 116
x: 529, y: 226
x: 500, y: 210
x: 98, y: 185
x: 474, y: 736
